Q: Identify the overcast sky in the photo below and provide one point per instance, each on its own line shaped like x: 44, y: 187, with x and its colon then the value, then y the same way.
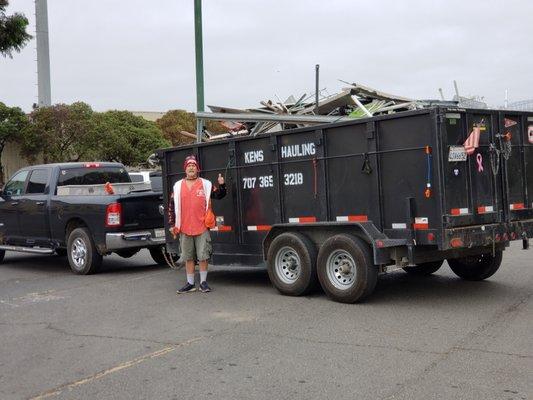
x: 139, y: 55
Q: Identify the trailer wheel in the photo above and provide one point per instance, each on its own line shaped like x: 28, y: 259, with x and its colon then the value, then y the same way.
x: 478, y: 267
x: 292, y: 264
x: 82, y: 255
x: 345, y: 269
x: 424, y: 269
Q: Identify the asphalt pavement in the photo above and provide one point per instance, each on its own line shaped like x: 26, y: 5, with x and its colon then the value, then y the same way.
x: 125, y: 334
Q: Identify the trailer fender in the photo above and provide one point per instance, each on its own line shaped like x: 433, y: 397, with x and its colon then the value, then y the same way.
x: 319, y: 232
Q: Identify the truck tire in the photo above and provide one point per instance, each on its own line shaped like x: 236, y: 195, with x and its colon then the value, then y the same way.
x: 291, y: 262
x: 476, y: 268
x: 158, y: 256
x: 2, y: 255
x: 345, y: 269
x: 82, y: 255
x: 424, y: 269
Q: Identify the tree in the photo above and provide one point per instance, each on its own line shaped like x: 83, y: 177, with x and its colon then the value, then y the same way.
x: 13, y: 35
x: 126, y: 138
x: 176, y: 121
x: 61, y: 133
x: 13, y: 122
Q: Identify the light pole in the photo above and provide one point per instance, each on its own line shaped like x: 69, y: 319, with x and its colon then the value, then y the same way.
x: 43, y: 56
x: 199, y: 67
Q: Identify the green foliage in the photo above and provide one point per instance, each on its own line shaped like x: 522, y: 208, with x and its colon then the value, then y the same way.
x: 60, y: 133
x: 13, y: 122
x: 126, y: 138
x: 176, y: 121
x: 64, y: 133
x: 13, y: 35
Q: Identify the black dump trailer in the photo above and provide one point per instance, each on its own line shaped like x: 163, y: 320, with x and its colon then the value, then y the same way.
x: 339, y: 203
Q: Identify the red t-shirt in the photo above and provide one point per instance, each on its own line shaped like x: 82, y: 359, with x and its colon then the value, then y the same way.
x: 193, y: 208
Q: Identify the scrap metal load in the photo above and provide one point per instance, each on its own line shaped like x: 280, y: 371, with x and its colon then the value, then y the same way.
x: 353, y: 102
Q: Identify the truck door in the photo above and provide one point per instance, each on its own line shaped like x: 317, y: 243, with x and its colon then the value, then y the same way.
x: 33, y: 210
x: 9, y: 206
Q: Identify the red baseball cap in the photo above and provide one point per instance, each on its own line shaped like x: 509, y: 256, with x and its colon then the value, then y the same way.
x: 191, y: 160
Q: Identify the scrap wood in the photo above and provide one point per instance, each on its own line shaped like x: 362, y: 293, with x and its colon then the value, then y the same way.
x: 188, y: 134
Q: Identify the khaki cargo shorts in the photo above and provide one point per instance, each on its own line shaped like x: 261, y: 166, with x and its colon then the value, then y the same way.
x: 195, y: 247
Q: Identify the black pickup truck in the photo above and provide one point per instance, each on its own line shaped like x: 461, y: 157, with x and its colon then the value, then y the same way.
x: 65, y: 209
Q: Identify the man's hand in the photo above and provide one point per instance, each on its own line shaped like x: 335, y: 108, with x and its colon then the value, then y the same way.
x: 220, y: 179
x: 174, y: 231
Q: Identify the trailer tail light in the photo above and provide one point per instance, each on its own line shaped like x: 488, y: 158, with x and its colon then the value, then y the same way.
x: 92, y: 165
x: 113, y: 215
x: 456, y: 242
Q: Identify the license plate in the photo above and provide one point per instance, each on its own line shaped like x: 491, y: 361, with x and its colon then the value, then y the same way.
x: 159, y: 232
x: 457, y: 153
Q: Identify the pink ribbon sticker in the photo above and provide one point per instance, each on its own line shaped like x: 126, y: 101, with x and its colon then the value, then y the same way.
x: 479, y: 160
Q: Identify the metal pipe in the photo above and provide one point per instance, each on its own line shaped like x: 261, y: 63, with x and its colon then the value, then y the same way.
x: 258, y: 117
x: 317, y: 73
x: 361, y: 106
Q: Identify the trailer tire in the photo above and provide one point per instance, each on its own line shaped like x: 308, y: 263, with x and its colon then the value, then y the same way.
x: 478, y: 267
x: 292, y: 264
x: 83, y: 257
x: 359, y: 277
x: 424, y: 269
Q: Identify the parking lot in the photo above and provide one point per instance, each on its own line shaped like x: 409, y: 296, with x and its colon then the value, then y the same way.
x: 125, y: 334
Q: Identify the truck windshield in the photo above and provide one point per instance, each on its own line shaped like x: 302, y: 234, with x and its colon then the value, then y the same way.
x: 92, y: 176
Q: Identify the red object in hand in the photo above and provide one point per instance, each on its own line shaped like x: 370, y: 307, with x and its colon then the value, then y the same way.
x: 175, y: 231
x: 108, y: 188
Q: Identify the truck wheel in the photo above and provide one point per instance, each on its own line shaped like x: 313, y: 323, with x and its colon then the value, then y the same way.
x: 2, y: 255
x: 158, y: 256
x: 292, y: 264
x: 424, y: 269
x: 82, y: 255
x: 345, y: 269
x: 476, y: 268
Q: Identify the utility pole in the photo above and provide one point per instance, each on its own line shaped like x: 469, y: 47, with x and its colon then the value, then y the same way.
x: 43, y: 54
x: 199, y: 67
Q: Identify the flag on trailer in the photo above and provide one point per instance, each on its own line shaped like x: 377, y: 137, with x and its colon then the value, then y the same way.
x: 472, y: 141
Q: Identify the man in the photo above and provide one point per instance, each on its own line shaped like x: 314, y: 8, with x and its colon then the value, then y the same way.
x: 190, y: 217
